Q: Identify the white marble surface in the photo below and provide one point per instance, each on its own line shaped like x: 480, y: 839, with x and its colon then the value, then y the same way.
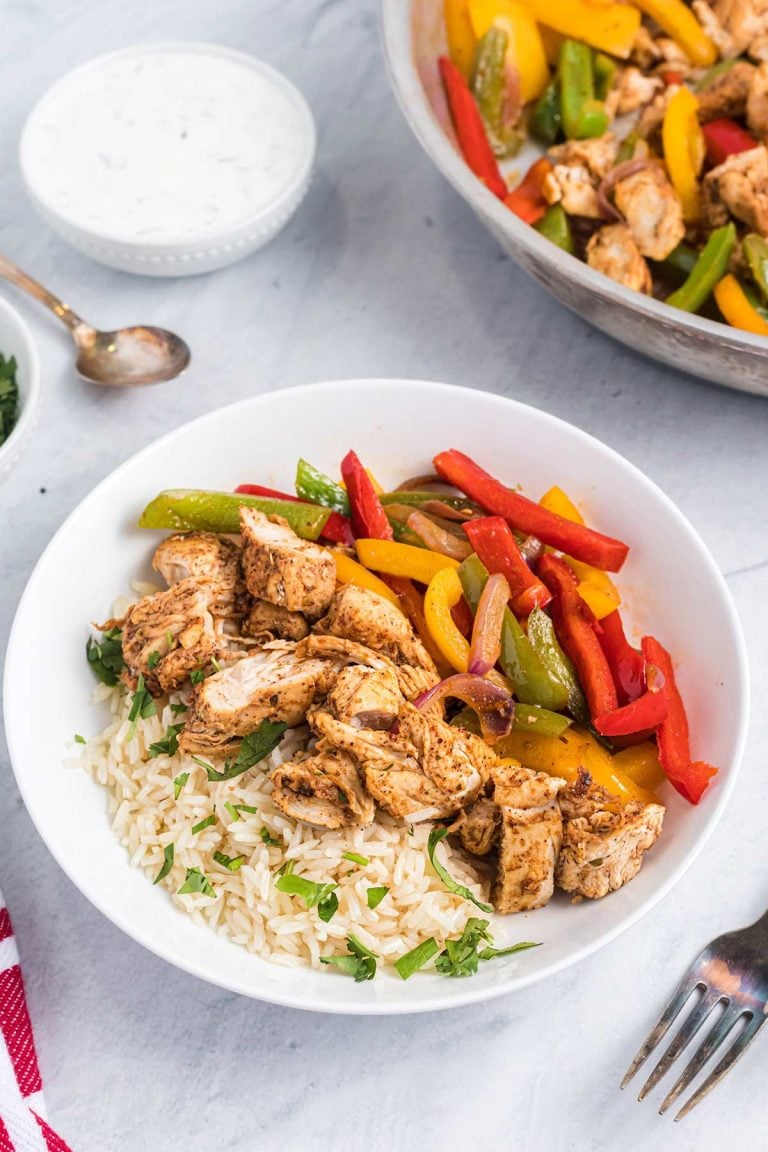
x: 383, y: 272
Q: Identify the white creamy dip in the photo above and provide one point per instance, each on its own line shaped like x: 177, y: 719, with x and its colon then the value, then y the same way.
x: 165, y: 146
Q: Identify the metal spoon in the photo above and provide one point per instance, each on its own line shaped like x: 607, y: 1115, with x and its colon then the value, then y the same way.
x: 120, y: 359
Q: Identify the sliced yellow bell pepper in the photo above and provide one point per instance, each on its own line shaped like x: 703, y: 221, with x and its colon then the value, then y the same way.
x: 461, y: 38
x: 679, y: 22
x: 406, y: 560
x: 733, y: 303
x: 565, y: 755
x: 610, y: 27
x: 552, y: 41
x: 444, y: 593
x: 641, y: 763
x: 684, y: 148
x: 348, y: 571
x: 525, y: 50
x: 595, y: 586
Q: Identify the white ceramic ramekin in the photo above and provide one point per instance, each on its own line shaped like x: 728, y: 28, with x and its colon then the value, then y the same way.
x: 168, y: 257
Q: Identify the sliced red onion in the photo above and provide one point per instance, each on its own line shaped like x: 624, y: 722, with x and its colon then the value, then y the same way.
x: 486, y: 632
x: 439, y: 507
x: 437, y: 538
x: 612, y: 178
x: 531, y: 548
x: 494, y: 706
x: 429, y: 482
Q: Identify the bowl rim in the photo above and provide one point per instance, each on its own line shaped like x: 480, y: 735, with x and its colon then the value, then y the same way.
x: 229, y: 234
x: 283, y: 995
x: 395, y: 19
x: 29, y: 391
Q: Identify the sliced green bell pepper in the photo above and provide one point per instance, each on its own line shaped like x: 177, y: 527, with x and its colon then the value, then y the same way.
x: 710, y: 267
x: 528, y: 718
x: 583, y: 115
x: 192, y: 509
x: 533, y: 681
x: 545, y: 121
x: 679, y: 264
x: 556, y: 226
x: 489, y: 83
x: 604, y: 70
x: 755, y: 250
x: 317, y: 488
x: 541, y: 633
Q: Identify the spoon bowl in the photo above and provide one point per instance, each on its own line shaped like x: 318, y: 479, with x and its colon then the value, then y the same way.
x: 130, y: 357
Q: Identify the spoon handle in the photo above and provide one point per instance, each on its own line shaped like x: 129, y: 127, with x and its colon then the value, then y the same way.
x: 9, y: 271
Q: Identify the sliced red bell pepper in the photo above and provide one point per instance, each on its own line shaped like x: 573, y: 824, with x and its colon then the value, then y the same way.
x: 577, y: 540
x: 725, y: 138
x: 690, y: 778
x: 337, y: 527
x: 462, y: 617
x: 643, y: 714
x: 573, y: 620
x: 527, y: 200
x: 493, y: 541
x: 671, y: 78
x: 626, y: 663
x: 470, y: 129
x: 369, y: 520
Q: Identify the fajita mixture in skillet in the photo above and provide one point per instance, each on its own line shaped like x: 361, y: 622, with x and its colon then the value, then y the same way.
x: 352, y: 724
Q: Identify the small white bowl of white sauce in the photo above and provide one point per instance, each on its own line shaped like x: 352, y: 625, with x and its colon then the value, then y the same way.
x: 169, y: 159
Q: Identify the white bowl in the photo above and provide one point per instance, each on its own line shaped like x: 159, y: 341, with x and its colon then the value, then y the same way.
x: 16, y: 340
x: 414, y: 37
x: 672, y: 587
x: 55, y: 179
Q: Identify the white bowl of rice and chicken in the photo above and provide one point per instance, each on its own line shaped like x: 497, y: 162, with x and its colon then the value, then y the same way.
x: 307, y: 821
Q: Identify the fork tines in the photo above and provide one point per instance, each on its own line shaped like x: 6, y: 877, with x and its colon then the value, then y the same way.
x: 737, y: 1007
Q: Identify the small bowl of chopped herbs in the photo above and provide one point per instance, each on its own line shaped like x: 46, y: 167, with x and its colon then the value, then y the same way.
x: 19, y: 386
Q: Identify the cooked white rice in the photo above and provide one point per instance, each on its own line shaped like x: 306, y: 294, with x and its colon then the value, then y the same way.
x: 247, y: 907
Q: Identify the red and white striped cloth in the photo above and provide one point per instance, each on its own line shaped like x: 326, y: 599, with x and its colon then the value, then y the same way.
x: 22, y: 1108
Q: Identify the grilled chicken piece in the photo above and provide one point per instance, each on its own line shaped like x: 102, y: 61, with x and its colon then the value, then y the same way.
x: 652, y: 210
x: 739, y: 186
x: 478, y: 828
x: 210, y: 560
x: 323, y: 790
x: 631, y: 90
x: 736, y: 26
x: 368, y: 697
x: 426, y: 771
x: 266, y: 622
x: 283, y: 569
x: 233, y: 702
x: 531, y: 835
x: 727, y: 94
x: 598, y: 155
x: 167, y: 635
x: 573, y: 186
x: 757, y: 101
x: 613, y: 251
x: 603, y: 840
x: 411, y: 681
x: 364, y: 616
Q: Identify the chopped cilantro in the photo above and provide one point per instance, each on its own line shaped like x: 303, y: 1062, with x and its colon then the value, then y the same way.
x: 268, y: 839
x: 416, y: 958
x: 79, y: 739
x: 360, y: 963
x: 460, y: 957
x: 196, y: 882
x: 169, y: 745
x: 179, y: 783
x: 252, y: 750
x: 287, y: 868
x: 320, y: 896
x: 105, y: 656
x: 9, y: 396
x: 177, y: 709
x: 375, y: 896
x: 197, y: 675
x: 167, y: 864
x: 215, y: 664
x: 355, y: 858
x: 435, y: 836
x: 206, y: 823
x: 142, y: 706
x: 153, y: 660
x: 233, y: 863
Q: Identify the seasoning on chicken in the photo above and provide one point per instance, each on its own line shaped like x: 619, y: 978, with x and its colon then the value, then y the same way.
x: 735, y: 26
x: 273, y: 685
x: 739, y: 187
x: 603, y: 840
x: 478, y: 828
x: 757, y: 102
x: 726, y: 94
x: 323, y: 790
x: 266, y: 622
x: 167, y: 635
x: 283, y: 569
x: 531, y: 835
x: 361, y: 615
x: 652, y: 210
x: 613, y: 251
x: 426, y: 770
x: 579, y: 165
x: 632, y: 90
x: 412, y: 682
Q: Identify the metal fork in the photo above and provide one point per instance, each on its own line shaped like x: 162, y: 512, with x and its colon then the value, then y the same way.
x: 731, y: 971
